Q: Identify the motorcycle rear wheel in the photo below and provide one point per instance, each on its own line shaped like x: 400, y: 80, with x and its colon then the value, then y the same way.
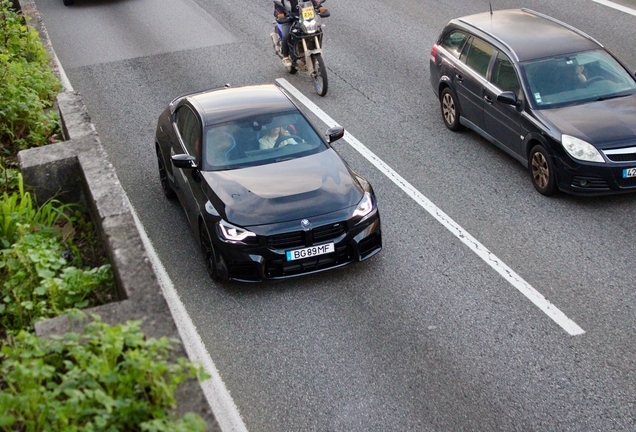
x: 319, y: 75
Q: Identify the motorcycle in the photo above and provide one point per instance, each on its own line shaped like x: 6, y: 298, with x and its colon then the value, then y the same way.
x: 305, y: 43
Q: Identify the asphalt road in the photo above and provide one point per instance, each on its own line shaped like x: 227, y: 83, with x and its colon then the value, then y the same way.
x: 426, y: 335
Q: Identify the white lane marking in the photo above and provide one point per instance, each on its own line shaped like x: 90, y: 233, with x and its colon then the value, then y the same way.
x: 66, y: 83
x: 524, y: 287
x: 217, y: 395
x: 616, y: 6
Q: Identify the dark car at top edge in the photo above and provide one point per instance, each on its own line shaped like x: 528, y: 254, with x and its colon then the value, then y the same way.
x: 266, y: 195
x: 543, y: 91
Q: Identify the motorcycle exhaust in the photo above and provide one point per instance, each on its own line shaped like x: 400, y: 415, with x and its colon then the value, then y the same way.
x: 275, y: 42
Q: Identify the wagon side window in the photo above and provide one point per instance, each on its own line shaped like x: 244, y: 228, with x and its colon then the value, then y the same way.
x: 478, y: 56
x: 503, y: 75
x: 454, y: 42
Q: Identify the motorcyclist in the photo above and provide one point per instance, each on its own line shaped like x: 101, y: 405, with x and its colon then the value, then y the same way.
x: 291, y: 9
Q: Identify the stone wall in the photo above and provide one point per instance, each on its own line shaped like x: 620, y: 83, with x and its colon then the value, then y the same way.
x: 77, y: 170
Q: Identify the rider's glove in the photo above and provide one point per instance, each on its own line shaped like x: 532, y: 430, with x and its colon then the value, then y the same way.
x: 323, y: 12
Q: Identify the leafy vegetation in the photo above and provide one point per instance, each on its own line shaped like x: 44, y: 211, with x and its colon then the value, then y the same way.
x: 9, y: 181
x: 18, y: 208
x: 40, y: 274
x: 106, y: 379
x: 28, y: 86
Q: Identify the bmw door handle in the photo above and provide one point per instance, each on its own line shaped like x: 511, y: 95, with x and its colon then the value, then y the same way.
x: 459, y: 78
x: 488, y: 99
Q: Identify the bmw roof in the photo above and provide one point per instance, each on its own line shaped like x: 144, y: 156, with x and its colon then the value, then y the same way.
x: 234, y: 103
x: 530, y: 35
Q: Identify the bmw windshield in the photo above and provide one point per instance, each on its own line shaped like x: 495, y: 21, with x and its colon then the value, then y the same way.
x: 259, y: 140
x: 576, y: 78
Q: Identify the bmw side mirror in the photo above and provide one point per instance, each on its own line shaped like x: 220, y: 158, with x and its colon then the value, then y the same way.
x: 334, y: 134
x: 507, y: 97
x: 184, y: 161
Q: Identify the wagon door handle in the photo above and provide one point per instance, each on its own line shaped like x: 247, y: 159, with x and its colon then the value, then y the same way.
x: 459, y: 78
x: 488, y: 99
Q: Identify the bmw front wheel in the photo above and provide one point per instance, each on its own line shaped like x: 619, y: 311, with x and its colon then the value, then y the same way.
x: 207, y: 249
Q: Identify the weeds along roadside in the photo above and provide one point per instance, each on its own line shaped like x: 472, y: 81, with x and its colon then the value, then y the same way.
x: 28, y: 86
x: 50, y: 259
x: 52, y: 263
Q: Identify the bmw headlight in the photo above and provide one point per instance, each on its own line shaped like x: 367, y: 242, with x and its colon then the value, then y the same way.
x: 365, y: 206
x: 233, y: 234
x: 580, y: 149
x: 309, y: 26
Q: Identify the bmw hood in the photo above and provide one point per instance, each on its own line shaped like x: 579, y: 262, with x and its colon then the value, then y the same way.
x: 284, y: 191
x: 604, y: 124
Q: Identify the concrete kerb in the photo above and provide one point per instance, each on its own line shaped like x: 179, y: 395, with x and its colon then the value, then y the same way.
x: 77, y: 170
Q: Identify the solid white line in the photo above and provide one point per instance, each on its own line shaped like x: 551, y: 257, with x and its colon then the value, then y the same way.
x: 225, y: 411
x: 524, y: 287
x: 63, y: 78
x: 217, y: 395
x: 616, y: 6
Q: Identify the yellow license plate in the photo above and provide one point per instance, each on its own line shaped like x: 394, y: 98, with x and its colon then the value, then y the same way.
x: 308, y: 13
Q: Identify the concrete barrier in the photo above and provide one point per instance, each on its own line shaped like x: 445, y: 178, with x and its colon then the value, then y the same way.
x: 77, y: 170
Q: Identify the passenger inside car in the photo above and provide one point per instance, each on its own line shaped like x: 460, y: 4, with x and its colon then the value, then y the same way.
x: 218, y: 147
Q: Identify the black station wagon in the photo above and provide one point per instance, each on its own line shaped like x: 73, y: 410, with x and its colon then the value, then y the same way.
x: 544, y: 92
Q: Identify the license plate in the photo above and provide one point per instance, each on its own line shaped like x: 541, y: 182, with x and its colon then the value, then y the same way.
x: 629, y: 172
x: 310, y: 251
x: 308, y: 13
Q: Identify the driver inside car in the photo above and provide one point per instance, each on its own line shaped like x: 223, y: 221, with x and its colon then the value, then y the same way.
x: 272, y: 135
x: 580, y: 73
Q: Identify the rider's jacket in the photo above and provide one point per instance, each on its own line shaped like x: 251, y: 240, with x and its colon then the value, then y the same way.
x: 291, y: 7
